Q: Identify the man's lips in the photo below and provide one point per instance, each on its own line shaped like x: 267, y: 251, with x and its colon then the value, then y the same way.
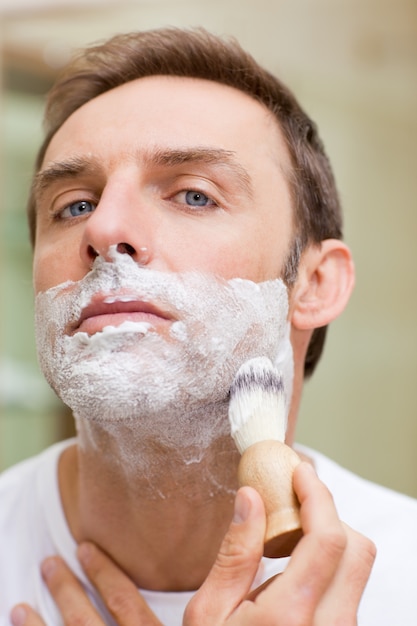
x: 113, y: 310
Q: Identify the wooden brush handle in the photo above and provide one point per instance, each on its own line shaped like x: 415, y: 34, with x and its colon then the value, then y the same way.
x: 268, y: 466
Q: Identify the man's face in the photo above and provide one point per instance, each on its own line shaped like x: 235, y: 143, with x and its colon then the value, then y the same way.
x: 186, y: 178
x: 190, y: 170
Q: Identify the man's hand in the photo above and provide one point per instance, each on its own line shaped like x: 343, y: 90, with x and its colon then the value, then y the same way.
x: 118, y: 592
x: 321, y: 586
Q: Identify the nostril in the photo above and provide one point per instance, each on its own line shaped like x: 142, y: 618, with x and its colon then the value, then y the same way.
x: 125, y: 248
x: 92, y: 253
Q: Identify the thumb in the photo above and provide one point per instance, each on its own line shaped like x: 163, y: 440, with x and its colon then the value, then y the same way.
x: 236, y: 565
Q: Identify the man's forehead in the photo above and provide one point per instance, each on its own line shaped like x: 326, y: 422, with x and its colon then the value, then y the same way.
x: 197, y: 97
x: 186, y: 126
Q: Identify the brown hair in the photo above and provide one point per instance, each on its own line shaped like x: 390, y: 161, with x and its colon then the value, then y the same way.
x: 199, y: 54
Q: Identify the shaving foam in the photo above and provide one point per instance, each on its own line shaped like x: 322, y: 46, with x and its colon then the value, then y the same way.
x: 168, y: 384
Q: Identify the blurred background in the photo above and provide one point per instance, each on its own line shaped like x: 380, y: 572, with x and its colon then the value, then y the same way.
x: 353, y: 65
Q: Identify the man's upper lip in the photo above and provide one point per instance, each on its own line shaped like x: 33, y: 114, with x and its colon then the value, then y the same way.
x: 119, y: 303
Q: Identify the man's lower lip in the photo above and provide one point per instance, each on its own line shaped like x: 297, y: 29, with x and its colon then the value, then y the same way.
x: 95, y: 324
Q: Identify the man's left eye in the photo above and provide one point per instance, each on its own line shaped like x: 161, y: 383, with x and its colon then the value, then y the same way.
x: 193, y: 198
x: 196, y: 198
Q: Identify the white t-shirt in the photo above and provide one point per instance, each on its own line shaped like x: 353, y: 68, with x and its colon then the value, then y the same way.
x: 33, y: 526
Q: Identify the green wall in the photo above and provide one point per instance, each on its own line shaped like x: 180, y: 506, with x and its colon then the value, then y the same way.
x: 27, y: 420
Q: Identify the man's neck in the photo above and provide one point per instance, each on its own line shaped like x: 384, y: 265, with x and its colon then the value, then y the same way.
x: 158, y: 507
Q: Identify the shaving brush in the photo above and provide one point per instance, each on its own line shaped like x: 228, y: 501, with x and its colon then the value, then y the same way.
x: 257, y: 418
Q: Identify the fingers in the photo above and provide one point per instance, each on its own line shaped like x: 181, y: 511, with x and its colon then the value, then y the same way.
x: 296, y: 594
x: 255, y: 592
x: 68, y: 594
x: 345, y: 593
x: 118, y: 592
x: 24, y: 615
x: 348, y: 553
x: 328, y: 570
x: 236, y: 565
x: 324, y: 533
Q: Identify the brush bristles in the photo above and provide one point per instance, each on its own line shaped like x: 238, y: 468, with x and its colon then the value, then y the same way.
x: 257, y: 404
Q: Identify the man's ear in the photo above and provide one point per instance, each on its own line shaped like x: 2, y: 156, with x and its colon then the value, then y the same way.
x: 325, y: 281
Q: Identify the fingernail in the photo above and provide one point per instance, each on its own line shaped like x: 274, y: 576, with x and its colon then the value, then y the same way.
x: 309, y: 467
x: 242, y: 508
x: 84, y: 553
x: 48, y: 568
x: 18, y: 616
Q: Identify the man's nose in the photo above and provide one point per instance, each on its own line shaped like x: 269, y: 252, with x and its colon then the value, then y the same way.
x: 111, y: 228
x: 141, y: 255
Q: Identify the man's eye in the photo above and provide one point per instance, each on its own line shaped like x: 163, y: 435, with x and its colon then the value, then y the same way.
x: 196, y: 198
x: 193, y: 198
x: 77, y: 209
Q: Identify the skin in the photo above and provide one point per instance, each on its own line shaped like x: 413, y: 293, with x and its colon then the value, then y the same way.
x: 138, y: 192
x: 303, y: 594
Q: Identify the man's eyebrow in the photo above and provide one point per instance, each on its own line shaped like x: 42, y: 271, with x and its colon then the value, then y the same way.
x: 61, y: 170
x: 171, y: 157
x: 211, y: 156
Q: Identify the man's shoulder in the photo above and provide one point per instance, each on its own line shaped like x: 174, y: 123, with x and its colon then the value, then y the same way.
x: 19, y: 483
x: 30, y: 520
x: 26, y: 469
x: 18, y: 473
x: 389, y: 518
x: 16, y: 482
x: 360, y: 502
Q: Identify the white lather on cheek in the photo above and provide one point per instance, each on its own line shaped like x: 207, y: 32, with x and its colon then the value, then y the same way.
x: 130, y: 371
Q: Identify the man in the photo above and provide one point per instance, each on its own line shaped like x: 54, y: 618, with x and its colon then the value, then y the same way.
x: 184, y: 220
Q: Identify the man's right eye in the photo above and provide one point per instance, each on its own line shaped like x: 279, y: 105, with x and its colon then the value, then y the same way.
x: 77, y: 209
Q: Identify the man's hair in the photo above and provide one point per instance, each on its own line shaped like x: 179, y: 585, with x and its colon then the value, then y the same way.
x: 199, y: 54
